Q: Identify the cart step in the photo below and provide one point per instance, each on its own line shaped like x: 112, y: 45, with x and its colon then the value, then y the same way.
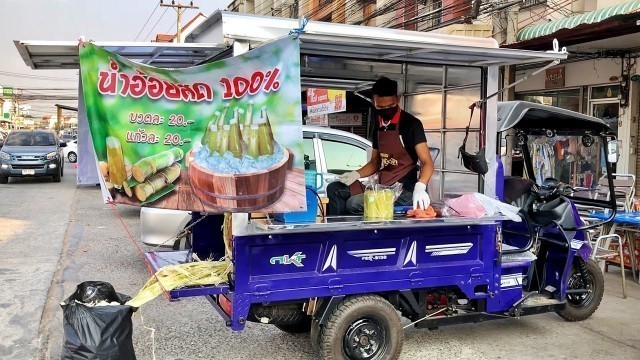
x: 540, y: 300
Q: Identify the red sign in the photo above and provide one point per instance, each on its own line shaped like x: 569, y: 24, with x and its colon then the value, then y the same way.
x: 325, y: 101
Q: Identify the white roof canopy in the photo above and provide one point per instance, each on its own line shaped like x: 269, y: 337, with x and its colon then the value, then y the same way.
x: 367, y: 43
x: 212, y: 38
x: 49, y: 55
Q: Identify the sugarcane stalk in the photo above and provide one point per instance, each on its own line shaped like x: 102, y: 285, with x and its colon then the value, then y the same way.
x: 157, y: 182
x: 152, y: 164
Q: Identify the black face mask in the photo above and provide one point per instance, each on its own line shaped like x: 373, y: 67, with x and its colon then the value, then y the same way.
x: 387, y: 113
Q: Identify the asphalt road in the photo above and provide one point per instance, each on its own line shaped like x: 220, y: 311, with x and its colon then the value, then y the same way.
x: 54, y: 236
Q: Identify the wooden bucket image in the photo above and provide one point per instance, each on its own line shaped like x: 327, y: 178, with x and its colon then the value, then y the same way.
x: 244, y: 192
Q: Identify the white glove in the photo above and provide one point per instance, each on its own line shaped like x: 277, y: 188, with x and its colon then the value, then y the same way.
x: 349, y: 177
x: 420, y: 197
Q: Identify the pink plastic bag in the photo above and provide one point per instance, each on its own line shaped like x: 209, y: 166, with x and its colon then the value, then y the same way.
x: 467, y: 206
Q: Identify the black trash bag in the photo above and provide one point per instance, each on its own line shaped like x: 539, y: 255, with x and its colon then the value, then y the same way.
x: 97, y: 332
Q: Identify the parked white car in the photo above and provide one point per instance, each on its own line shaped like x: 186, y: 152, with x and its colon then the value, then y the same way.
x: 71, y: 151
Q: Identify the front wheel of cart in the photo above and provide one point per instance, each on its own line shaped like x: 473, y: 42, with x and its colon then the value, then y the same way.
x: 362, y: 328
x: 581, y: 306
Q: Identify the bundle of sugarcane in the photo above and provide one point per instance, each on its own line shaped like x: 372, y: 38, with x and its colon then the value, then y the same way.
x: 157, y: 182
x: 172, y: 277
x: 148, y: 166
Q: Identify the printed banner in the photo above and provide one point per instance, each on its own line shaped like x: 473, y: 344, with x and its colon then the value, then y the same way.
x: 324, y: 101
x: 224, y: 136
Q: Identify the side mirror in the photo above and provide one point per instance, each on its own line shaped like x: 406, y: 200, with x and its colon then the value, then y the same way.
x: 63, y: 144
x: 612, y: 151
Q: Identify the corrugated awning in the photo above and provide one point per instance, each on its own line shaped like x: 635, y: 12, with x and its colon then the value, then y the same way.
x: 592, y: 17
x: 64, y: 54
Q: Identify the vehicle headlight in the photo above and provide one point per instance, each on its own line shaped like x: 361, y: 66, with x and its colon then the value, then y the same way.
x: 4, y: 156
x: 52, y: 155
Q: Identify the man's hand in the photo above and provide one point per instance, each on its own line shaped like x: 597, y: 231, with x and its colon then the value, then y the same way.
x: 420, y: 197
x: 349, y: 178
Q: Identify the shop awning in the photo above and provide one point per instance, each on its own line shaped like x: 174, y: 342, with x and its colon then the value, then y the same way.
x: 365, y: 42
x: 592, y: 17
x: 64, y: 54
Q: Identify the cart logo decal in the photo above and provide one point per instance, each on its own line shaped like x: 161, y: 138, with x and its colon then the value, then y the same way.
x: 295, y: 259
x: 507, y: 281
x: 373, y: 254
x: 331, y: 259
x: 576, y: 244
x: 448, y: 249
x: 411, y: 255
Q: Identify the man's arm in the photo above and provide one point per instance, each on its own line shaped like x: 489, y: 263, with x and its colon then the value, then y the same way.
x: 427, y: 163
x: 372, y: 166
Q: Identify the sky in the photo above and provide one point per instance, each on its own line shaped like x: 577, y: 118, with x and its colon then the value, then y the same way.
x: 67, y: 20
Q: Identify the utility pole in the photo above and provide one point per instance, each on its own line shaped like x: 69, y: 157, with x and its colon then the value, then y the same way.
x: 180, y: 9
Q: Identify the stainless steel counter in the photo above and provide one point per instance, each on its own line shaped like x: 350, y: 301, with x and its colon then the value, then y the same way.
x: 344, y: 223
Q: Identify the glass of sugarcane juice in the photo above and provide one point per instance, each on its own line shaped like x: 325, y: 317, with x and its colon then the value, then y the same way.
x: 115, y: 161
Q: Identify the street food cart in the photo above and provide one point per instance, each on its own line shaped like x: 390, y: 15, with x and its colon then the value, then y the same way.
x: 344, y: 279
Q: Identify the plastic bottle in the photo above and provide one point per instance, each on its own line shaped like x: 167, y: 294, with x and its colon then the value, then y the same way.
x: 268, y: 123
x: 235, y: 138
x: 253, y: 143
x: 212, y: 135
x: 207, y: 129
x: 248, y: 119
x: 265, y: 142
x: 223, y: 145
x: 221, y: 123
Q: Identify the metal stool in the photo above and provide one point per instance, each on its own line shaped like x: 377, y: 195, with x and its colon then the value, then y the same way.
x: 601, y: 252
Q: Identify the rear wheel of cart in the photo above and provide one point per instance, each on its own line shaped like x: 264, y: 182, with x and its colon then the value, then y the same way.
x: 582, y: 305
x: 300, y: 327
x: 362, y: 328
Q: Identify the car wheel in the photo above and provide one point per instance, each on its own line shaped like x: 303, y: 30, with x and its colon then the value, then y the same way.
x: 73, y: 157
x: 4, y: 179
x: 57, y: 177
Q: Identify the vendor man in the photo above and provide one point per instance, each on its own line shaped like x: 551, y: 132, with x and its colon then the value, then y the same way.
x: 398, y: 143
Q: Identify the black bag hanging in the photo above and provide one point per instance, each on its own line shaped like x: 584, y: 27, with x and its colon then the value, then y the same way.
x: 473, y: 162
x: 97, y: 332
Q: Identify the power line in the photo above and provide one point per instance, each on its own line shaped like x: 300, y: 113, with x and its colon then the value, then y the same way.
x: 146, y: 22
x: 37, y: 77
x: 157, y: 22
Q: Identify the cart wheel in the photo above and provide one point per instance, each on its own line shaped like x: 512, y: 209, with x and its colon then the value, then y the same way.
x: 581, y: 306
x: 301, y: 327
x: 362, y: 328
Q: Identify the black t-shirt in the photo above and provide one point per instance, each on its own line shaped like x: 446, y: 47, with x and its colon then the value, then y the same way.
x: 412, y: 133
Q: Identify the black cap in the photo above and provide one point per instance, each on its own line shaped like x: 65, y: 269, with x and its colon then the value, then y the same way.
x: 385, y: 87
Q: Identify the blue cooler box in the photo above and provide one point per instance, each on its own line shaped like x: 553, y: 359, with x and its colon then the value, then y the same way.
x: 302, y: 216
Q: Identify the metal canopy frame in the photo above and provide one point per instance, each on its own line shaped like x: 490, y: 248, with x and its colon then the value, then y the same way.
x: 50, y: 55
x: 368, y: 43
